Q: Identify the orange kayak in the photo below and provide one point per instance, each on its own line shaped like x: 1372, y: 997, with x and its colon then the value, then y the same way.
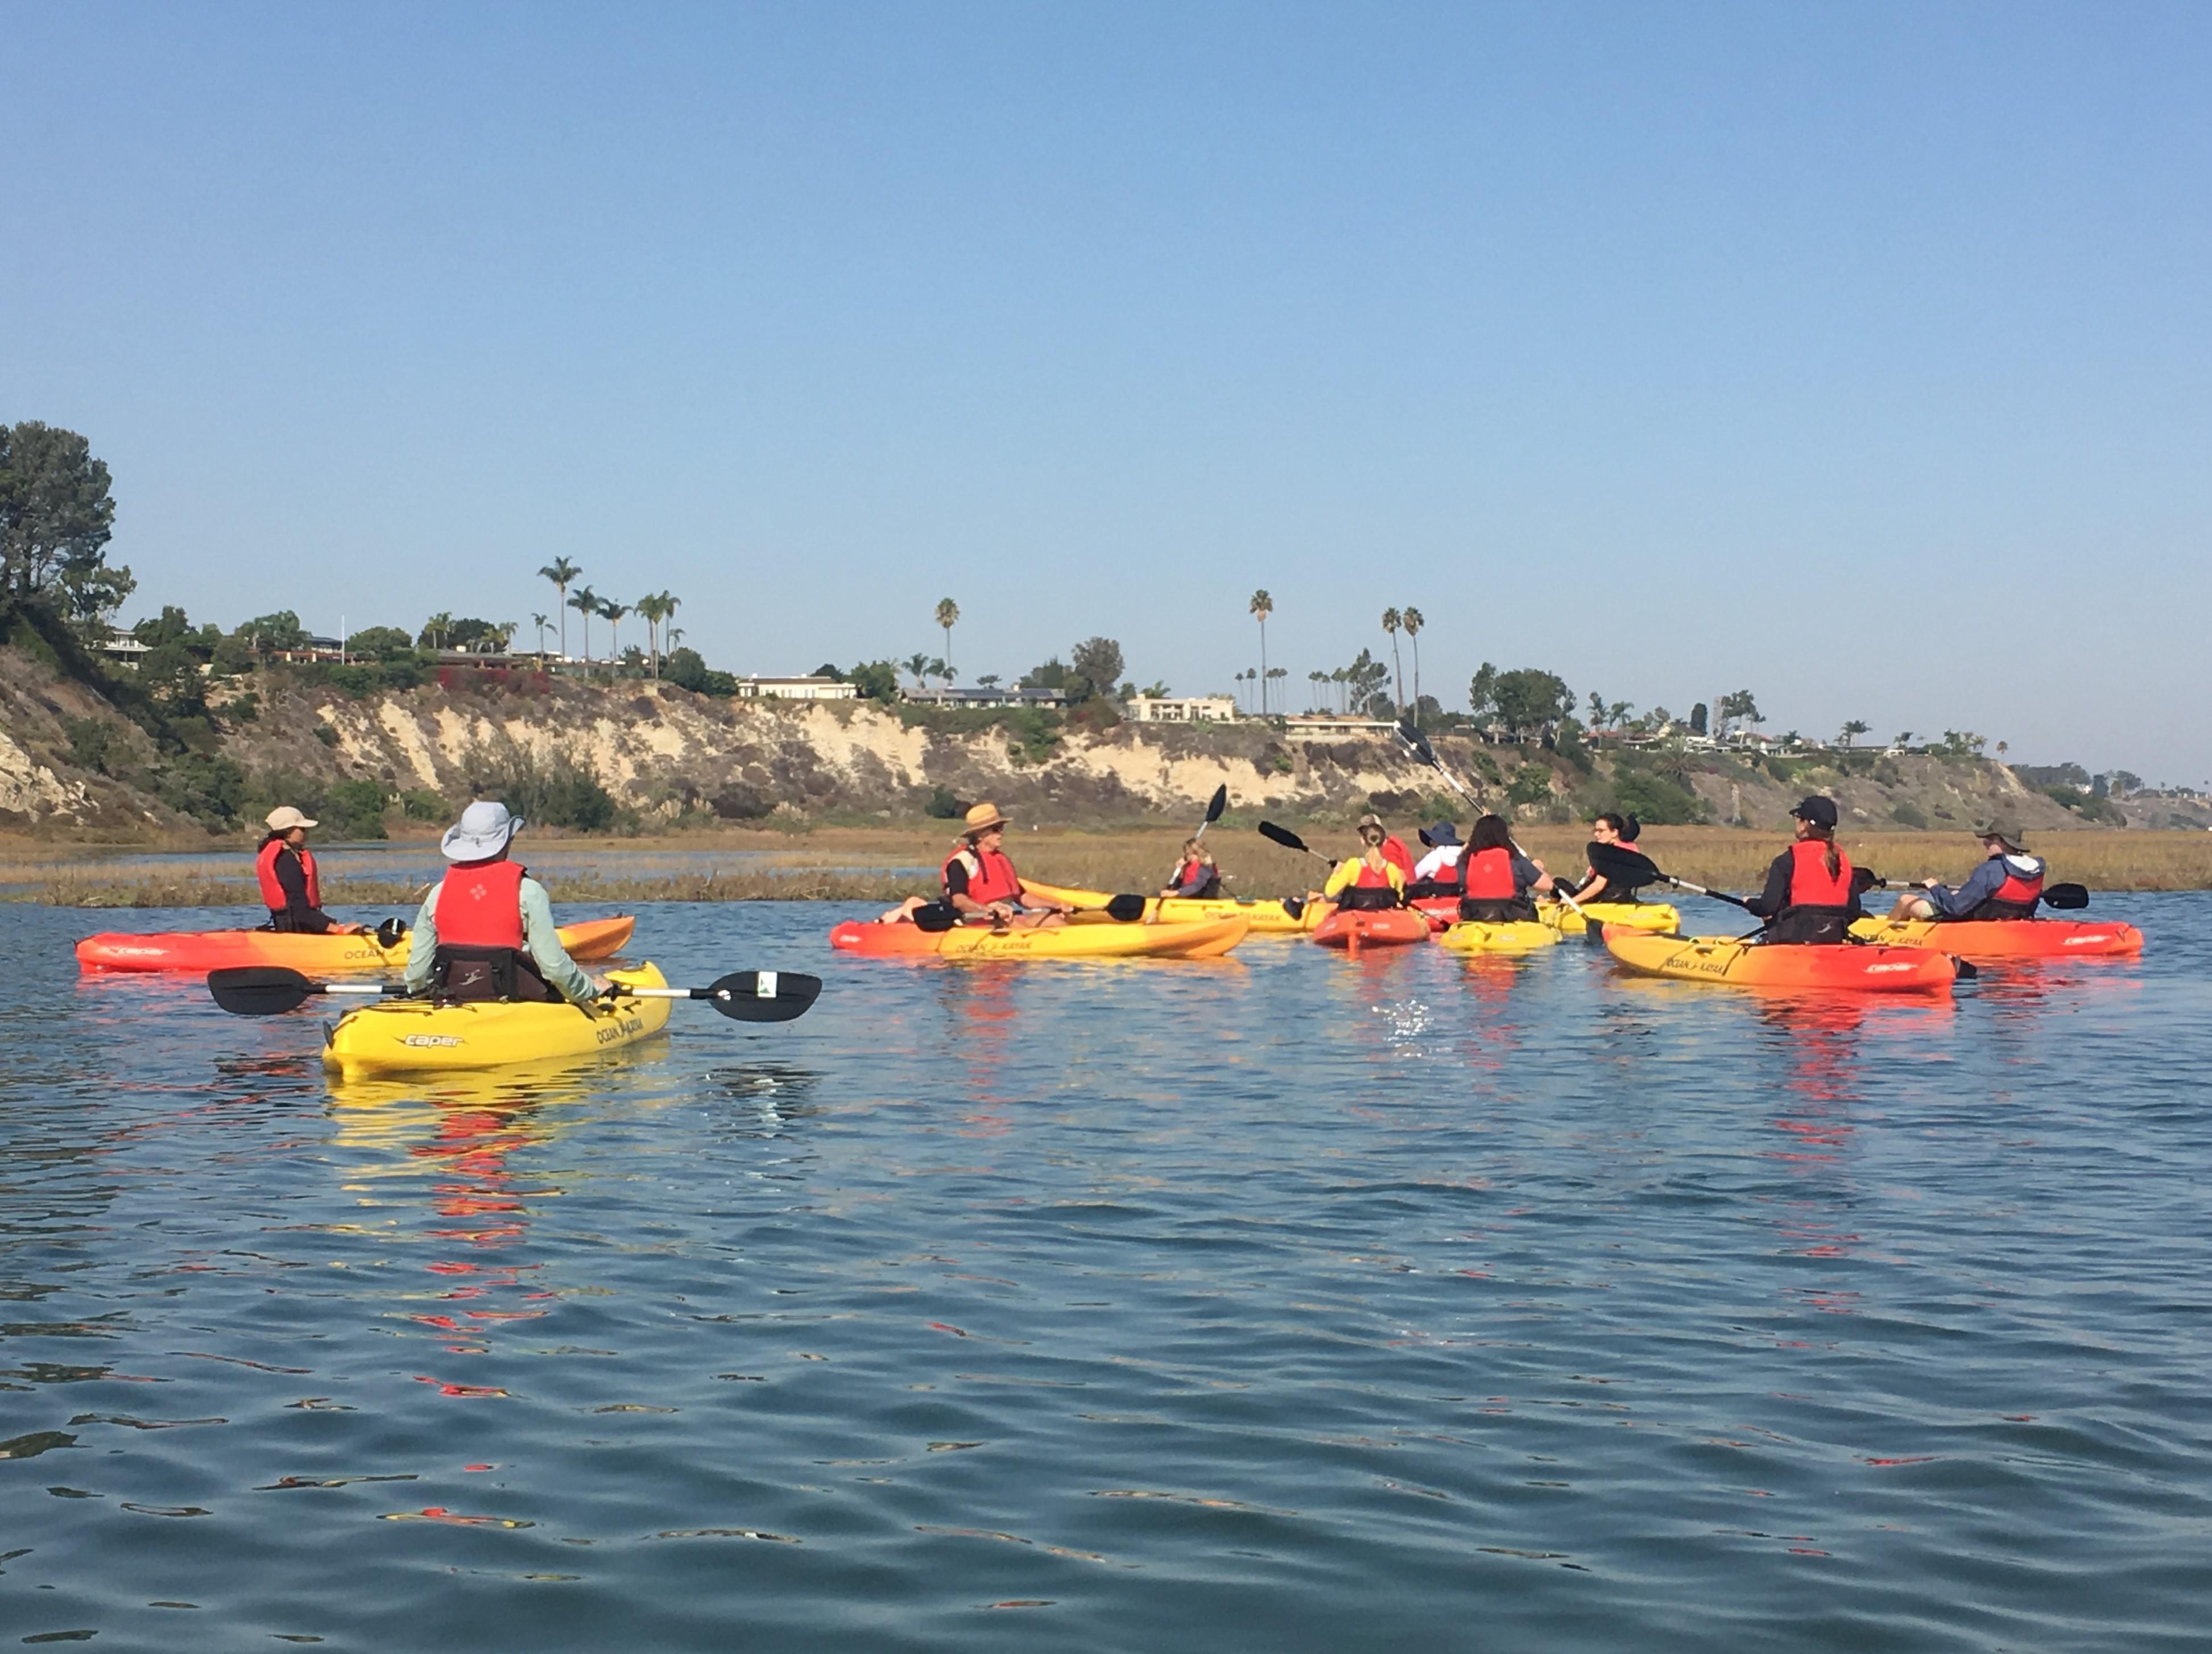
x: 1843, y: 967
x: 1390, y: 927
x: 203, y: 951
x: 1103, y: 939
x: 2008, y: 938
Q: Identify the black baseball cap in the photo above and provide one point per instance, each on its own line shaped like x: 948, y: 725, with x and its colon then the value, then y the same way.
x: 1821, y: 811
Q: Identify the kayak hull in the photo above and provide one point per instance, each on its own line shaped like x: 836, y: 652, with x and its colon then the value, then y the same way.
x: 1264, y: 918
x: 1203, y: 940
x: 1840, y: 967
x: 421, y: 1036
x: 203, y: 951
x: 2008, y: 939
x: 1389, y: 928
x: 1655, y: 916
x: 1515, y: 936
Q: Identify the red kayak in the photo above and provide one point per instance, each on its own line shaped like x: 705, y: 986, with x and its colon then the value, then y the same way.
x: 1389, y: 928
x: 203, y: 951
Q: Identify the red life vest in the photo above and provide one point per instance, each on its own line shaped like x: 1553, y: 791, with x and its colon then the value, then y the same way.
x: 1187, y: 870
x: 1489, y: 876
x: 1811, y: 886
x: 1395, y: 851
x: 1451, y: 872
x: 991, y: 876
x: 265, y: 874
x: 480, y: 905
x: 2025, y: 892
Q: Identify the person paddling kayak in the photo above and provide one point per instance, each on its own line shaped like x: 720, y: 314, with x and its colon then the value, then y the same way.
x: 980, y: 881
x: 1437, y: 873
x: 1394, y: 851
x: 1810, y: 895
x: 1497, y: 882
x: 486, y: 929
x: 1196, y: 874
x: 2007, y: 885
x: 1367, y: 881
x: 284, y: 867
x: 1609, y: 828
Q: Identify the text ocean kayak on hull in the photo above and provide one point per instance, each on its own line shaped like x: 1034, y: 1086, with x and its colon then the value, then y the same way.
x: 203, y: 951
x: 1202, y: 940
x: 1836, y: 967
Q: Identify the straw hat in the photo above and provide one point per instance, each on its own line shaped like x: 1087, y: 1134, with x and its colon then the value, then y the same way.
x: 283, y: 818
x: 981, y: 819
x: 482, y: 832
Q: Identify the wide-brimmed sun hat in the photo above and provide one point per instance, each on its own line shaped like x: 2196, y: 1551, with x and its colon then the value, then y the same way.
x: 2006, y: 832
x: 482, y: 832
x: 981, y: 819
x: 283, y: 818
x: 1443, y: 833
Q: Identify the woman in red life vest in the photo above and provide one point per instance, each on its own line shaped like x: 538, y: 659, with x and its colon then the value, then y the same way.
x: 284, y: 867
x: 1393, y: 848
x: 980, y: 880
x: 1810, y: 895
x: 486, y: 930
x: 2007, y: 885
x: 1498, y: 884
x: 1619, y: 830
x: 1369, y: 880
x: 1196, y: 875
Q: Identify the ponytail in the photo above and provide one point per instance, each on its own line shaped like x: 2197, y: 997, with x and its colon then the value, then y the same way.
x: 1834, y: 860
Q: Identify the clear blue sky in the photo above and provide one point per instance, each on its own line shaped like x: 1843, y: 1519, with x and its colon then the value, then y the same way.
x: 1676, y: 349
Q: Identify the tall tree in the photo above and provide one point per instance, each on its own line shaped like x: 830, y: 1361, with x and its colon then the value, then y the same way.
x: 1391, y: 621
x: 919, y: 665
x: 613, y: 612
x: 561, y: 572
x: 1262, y: 606
x: 1098, y: 661
x: 948, y: 616
x: 1853, y: 730
x: 1412, y: 621
x: 541, y: 622
x: 56, y: 516
x: 437, y: 630
x: 585, y: 602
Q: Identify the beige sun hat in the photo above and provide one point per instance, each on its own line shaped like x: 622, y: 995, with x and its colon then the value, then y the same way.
x: 981, y: 819
x: 283, y: 818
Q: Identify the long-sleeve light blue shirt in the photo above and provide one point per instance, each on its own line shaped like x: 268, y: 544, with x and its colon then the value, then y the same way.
x: 541, y: 938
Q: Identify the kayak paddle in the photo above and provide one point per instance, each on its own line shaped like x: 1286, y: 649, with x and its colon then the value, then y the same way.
x: 2067, y: 898
x: 1290, y: 841
x: 1219, y: 803
x: 742, y: 997
x: 1418, y: 745
x: 1621, y: 864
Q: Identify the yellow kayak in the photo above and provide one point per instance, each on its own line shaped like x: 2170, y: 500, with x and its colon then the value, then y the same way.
x: 1514, y: 936
x: 418, y: 1035
x: 1103, y: 940
x: 1265, y: 918
x: 1655, y: 916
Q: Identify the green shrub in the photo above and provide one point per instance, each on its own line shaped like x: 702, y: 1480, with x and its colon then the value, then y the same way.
x: 92, y: 744
x: 421, y: 804
x: 209, y: 789
x: 326, y: 735
x: 1907, y: 814
x: 1531, y: 784
x: 562, y: 794
x: 1657, y: 799
x: 942, y: 805
x: 354, y: 809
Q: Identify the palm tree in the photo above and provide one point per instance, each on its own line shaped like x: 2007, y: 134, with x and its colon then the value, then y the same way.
x: 613, y: 612
x: 948, y: 616
x: 1412, y: 621
x: 919, y: 665
x: 1853, y: 730
x: 561, y: 571
x: 1262, y: 606
x: 437, y: 628
x: 944, y: 673
x: 1391, y: 621
x: 648, y: 607
x: 541, y: 622
x: 586, y: 604
x: 1313, y: 696
x: 1339, y: 677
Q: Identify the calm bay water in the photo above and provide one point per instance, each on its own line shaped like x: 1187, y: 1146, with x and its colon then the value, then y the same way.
x: 1283, y: 1302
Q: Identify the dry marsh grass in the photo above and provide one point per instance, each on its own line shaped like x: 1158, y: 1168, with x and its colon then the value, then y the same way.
x: 870, y: 864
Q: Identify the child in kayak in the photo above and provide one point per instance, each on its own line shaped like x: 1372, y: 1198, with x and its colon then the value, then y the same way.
x: 486, y: 929
x: 1498, y: 884
x: 1196, y: 874
x: 1811, y: 897
x: 2007, y: 885
x: 1369, y: 880
x: 284, y: 867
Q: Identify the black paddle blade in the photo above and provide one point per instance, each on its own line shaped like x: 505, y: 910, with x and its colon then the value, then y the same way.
x: 2067, y: 898
x: 1621, y: 866
x: 761, y: 995
x: 1968, y: 971
x: 259, y: 990
x: 1413, y: 737
x: 1294, y: 906
x: 389, y: 932
x: 1220, y: 802
x: 1286, y: 837
x: 1126, y: 910
x: 937, y: 916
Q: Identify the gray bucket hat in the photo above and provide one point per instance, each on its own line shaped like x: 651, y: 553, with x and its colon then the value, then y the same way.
x: 482, y: 832
x: 2006, y: 833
